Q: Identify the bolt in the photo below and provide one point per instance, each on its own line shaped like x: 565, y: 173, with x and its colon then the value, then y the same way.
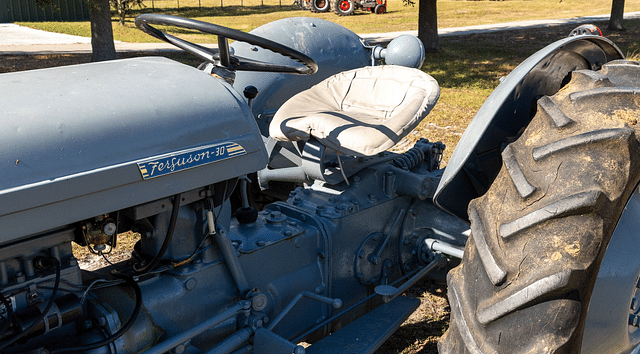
x: 288, y: 233
x: 179, y: 349
x: 259, y: 302
x: 102, y: 321
x: 190, y: 284
x: 322, y: 255
x: 406, y: 241
x: 261, y: 243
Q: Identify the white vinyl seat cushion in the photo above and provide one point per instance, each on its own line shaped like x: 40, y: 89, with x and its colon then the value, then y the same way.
x: 360, y: 112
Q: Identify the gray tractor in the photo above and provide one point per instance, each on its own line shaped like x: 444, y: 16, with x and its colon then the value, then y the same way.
x: 270, y: 212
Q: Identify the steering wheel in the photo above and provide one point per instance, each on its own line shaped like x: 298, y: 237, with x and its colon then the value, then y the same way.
x: 223, y: 57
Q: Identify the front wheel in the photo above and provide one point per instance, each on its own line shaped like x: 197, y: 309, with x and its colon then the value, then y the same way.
x: 539, y: 234
x: 380, y: 9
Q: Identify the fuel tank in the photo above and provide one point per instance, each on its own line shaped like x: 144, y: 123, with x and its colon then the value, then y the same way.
x: 79, y: 141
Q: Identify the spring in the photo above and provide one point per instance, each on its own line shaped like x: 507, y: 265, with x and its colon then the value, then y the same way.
x: 421, y: 151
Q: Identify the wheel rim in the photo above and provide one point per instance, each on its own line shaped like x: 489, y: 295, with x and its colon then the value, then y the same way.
x: 616, y: 292
x: 320, y: 5
x: 345, y: 5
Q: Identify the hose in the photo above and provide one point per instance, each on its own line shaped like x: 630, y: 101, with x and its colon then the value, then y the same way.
x: 41, y: 262
x: 167, y: 238
x: 10, y: 315
x: 119, y: 333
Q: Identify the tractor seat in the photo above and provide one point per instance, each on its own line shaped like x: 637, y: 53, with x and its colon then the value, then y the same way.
x: 359, y: 112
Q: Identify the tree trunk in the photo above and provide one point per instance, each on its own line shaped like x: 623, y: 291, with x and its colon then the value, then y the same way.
x: 102, y: 44
x: 617, y: 13
x: 428, y: 25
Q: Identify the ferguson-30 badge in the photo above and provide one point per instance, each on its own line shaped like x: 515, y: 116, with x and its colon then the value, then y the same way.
x: 179, y: 161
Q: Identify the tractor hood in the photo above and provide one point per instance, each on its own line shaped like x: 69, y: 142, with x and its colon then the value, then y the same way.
x: 89, y: 139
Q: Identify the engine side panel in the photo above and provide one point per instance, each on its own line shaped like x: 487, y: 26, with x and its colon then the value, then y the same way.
x: 100, y: 133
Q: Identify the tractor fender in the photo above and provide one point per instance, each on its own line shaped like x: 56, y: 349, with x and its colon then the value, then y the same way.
x: 476, y: 160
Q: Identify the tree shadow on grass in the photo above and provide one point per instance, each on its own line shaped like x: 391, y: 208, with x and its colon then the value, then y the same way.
x: 480, y: 60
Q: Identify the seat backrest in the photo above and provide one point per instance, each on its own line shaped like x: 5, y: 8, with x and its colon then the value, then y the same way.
x: 359, y: 112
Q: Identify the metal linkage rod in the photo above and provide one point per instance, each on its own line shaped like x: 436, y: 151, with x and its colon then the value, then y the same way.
x: 443, y: 247
x: 229, y: 255
x: 169, y: 344
x: 336, y: 303
x: 390, y: 292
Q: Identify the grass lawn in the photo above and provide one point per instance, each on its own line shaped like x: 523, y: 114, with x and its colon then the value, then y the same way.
x: 399, y: 17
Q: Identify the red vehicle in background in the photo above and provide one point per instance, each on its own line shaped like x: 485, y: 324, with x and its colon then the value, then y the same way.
x: 344, y: 7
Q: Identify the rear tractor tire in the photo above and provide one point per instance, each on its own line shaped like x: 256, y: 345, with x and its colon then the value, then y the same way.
x: 539, y: 234
x: 345, y: 7
x: 320, y: 5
